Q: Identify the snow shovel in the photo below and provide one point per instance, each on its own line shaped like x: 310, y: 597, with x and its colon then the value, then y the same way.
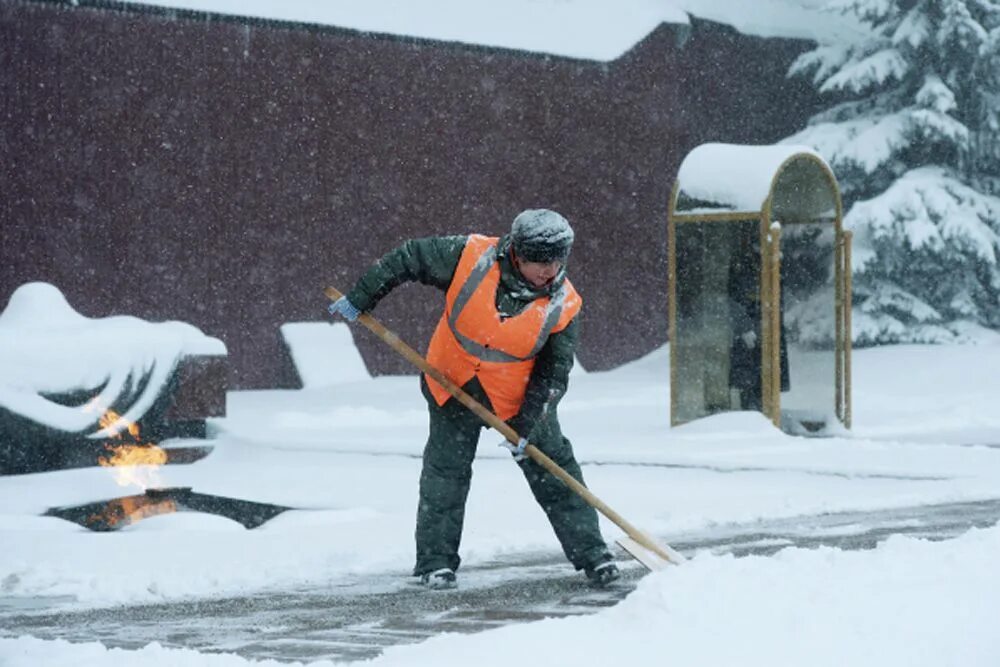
x: 651, y: 553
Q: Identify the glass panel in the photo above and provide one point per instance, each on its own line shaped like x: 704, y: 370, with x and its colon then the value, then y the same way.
x: 808, y: 391
x: 717, y: 352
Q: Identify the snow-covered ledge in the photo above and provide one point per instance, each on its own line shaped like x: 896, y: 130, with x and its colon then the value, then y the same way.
x: 61, y: 372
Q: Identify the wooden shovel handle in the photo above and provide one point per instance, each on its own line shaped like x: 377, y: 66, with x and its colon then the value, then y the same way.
x: 536, y: 455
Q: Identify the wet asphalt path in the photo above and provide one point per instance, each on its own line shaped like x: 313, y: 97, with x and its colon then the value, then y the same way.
x: 358, y: 619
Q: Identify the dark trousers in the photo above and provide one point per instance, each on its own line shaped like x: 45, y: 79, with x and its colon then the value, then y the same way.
x: 447, y: 473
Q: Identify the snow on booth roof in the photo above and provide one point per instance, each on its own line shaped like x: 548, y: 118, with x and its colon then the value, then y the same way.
x: 46, y: 347
x: 719, y: 178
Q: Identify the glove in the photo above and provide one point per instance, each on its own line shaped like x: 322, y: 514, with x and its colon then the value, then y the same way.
x: 517, y: 450
x: 344, y: 308
x: 749, y: 338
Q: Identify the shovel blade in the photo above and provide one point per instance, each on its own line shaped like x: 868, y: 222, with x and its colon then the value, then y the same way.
x: 651, y: 560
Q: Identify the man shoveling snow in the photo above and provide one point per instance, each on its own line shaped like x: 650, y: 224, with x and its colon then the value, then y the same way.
x: 507, y: 337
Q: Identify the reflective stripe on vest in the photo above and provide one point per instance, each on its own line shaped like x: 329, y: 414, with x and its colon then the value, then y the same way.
x: 499, y: 351
x: 486, y: 261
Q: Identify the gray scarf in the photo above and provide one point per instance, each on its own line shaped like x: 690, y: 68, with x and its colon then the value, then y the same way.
x: 515, y: 293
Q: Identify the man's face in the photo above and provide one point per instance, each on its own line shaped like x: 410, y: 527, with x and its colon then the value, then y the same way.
x: 538, y: 274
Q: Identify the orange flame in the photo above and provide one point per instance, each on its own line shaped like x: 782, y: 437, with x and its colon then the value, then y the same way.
x: 130, y: 509
x: 111, y: 417
x: 135, y: 462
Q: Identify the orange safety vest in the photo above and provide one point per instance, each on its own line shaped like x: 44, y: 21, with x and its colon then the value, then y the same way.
x: 471, y: 340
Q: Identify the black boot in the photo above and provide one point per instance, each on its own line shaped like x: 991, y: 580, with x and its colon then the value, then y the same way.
x: 603, y: 574
x: 439, y: 579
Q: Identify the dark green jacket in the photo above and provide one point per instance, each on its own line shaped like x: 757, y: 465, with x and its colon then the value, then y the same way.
x: 432, y: 261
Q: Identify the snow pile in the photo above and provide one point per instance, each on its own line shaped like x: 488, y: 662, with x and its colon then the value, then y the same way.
x: 907, y: 603
x: 324, y: 353
x: 46, y: 347
x: 923, y: 604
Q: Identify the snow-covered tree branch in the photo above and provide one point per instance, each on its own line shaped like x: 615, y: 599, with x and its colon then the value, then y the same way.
x: 913, y: 133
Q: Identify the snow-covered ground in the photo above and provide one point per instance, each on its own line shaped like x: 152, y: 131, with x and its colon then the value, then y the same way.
x: 906, y: 603
x: 345, y: 454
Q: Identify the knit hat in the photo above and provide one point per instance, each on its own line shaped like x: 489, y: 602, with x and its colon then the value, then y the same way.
x: 540, y: 235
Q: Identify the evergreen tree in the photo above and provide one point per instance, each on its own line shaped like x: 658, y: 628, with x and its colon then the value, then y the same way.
x: 914, y: 138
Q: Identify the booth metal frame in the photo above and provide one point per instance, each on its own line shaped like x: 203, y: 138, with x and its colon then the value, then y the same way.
x: 770, y: 285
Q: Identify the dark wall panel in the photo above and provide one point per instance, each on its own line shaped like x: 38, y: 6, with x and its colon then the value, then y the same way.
x: 223, y: 172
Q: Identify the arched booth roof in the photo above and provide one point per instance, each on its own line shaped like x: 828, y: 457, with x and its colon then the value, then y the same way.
x: 728, y: 181
x: 758, y: 273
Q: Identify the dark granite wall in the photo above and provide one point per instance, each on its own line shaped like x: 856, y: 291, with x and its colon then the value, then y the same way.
x: 222, y: 172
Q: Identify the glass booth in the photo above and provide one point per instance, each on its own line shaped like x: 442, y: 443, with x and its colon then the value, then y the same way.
x: 759, y: 288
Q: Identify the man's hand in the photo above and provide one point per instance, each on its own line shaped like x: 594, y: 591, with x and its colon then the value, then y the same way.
x: 517, y: 450
x: 749, y: 338
x: 344, y: 308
